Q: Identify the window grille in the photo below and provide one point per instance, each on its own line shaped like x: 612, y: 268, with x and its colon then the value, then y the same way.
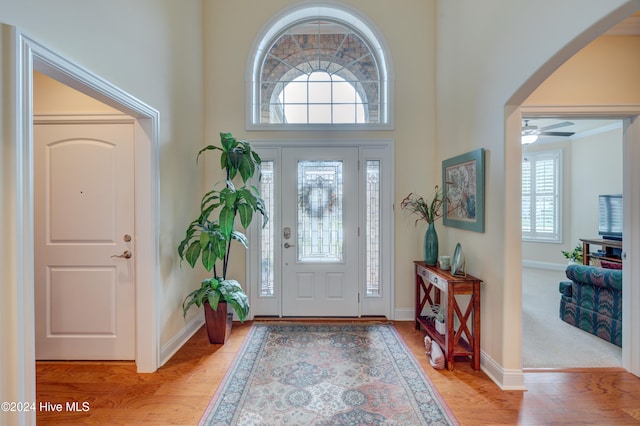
x: 541, y: 202
x: 320, y: 66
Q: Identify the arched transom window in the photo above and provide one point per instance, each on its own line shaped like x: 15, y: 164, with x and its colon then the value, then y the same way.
x: 320, y: 70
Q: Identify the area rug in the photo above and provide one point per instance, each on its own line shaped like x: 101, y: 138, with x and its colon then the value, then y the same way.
x: 326, y: 374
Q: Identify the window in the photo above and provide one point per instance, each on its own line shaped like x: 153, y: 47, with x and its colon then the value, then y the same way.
x: 373, y: 227
x: 319, y: 66
x: 541, y: 202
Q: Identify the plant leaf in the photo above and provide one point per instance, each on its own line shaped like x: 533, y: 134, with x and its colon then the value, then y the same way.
x: 226, y: 220
x: 239, y: 236
x: 193, y: 252
x: 208, y: 257
x: 214, y: 299
x: 246, y: 214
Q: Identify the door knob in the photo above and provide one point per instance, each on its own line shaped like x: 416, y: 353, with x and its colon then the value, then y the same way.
x: 287, y: 245
x: 125, y: 255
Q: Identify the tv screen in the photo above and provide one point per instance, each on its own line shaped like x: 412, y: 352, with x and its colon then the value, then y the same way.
x: 610, y: 216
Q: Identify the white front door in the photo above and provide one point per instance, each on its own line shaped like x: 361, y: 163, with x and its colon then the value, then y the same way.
x: 84, y: 241
x: 320, y: 232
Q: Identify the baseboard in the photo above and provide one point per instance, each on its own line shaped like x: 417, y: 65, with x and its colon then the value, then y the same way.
x: 172, y: 346
x: 544, y: 265
x: 404, y: 314
x: 506, y: 379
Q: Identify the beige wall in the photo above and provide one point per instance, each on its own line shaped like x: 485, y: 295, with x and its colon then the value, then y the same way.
x: 411, y: 23
x: 482, y: 55
x: 603, y: 73
x: 490, y: 57
x: 53, y: 97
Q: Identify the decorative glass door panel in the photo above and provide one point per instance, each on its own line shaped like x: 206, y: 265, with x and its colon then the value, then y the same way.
x: 320, y: 224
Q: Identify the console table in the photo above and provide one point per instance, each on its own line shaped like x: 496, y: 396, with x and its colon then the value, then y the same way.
x: 607, y: 245
x: 436, y: 286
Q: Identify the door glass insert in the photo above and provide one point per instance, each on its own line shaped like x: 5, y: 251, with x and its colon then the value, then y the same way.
x: 320, y: 216
x: 372, y: 208
x: 267, y: 236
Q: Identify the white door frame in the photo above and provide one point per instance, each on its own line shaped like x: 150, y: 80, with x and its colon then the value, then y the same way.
x: 630, y: 115
x: 382, y: 150
x: 28, y: 55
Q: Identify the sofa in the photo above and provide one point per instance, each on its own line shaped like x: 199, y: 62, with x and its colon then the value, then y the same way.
x: 592, y: 301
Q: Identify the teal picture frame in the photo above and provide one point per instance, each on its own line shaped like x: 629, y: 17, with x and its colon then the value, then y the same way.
x: 463, y: 191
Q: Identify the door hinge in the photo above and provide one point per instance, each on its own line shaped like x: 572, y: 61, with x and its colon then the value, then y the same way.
x: 358, y: 231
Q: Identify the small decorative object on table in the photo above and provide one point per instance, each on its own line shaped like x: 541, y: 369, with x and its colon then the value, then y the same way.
x: 429, y: 211
x: 458, y: 266
x: 444, y: 263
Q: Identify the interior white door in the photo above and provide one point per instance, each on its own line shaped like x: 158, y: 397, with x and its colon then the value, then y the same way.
x: 84, y: 217
x: 320, y: 232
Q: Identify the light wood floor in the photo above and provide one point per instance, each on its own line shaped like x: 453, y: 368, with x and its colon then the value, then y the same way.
x: 179, y: 392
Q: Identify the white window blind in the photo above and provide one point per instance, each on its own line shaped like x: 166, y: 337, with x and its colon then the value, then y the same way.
x: 541, y: 203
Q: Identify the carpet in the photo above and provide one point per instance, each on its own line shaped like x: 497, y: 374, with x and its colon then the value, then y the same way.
x: 326, y: 374
x: 549, y: 342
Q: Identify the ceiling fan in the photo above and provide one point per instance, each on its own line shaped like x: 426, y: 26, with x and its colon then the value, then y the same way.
x: 530, y: 134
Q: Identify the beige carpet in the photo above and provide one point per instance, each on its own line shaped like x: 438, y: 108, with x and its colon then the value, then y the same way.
x: 549, y: 342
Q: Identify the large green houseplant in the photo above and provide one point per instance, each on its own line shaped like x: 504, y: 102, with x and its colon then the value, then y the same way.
x: 210, y: 235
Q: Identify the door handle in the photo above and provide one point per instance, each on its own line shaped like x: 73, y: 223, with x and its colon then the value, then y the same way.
x: 287, y: 245
x: 125, y: 255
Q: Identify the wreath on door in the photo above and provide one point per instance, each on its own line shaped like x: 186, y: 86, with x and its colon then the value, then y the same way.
x: 318, y: 198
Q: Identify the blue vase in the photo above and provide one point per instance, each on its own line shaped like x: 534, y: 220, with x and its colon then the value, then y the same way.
x: 431, y: 245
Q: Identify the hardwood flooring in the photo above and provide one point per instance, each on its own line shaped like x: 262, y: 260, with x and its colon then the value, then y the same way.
x: 179, y: 391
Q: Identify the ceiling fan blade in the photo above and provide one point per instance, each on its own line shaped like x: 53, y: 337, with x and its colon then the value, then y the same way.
x: 557, y: 133
x: 556, y: 126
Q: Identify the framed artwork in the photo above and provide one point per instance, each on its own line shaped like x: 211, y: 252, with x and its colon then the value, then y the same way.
x: 463, y: 191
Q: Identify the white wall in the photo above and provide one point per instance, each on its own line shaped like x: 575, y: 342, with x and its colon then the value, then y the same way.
x: 151, y: 49
x: 605, y: 153
x: 491, y: 56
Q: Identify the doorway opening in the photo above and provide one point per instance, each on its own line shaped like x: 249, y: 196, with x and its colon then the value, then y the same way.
x: 31, y: 56
x: 560, y: 206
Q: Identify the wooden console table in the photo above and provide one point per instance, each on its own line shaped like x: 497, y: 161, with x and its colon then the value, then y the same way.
x: 607, y: 246
x: 435, y: 286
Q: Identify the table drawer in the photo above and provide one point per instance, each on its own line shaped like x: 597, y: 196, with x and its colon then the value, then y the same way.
x: 432, y: 278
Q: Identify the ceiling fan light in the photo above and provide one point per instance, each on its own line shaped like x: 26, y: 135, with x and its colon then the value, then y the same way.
x: 527, y: 139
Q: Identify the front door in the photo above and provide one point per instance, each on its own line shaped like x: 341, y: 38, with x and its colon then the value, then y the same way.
x: 84, y: 241
x: 320, y: 232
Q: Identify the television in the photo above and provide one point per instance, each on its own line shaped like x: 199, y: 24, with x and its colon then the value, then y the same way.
x: 610, y: 216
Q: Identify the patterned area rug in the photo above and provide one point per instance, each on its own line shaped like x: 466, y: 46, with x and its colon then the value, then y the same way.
x: 326, y: 374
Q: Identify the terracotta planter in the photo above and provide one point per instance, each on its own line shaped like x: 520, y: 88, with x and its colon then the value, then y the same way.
x: 218, y: 323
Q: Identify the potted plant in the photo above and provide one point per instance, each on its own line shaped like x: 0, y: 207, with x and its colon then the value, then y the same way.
x: 574, y: 255
x: 210, y: 235
x: 429, y: 211
x: 437, y: 313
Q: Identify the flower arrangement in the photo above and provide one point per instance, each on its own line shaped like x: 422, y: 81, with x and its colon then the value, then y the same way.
x: 426, y: 210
